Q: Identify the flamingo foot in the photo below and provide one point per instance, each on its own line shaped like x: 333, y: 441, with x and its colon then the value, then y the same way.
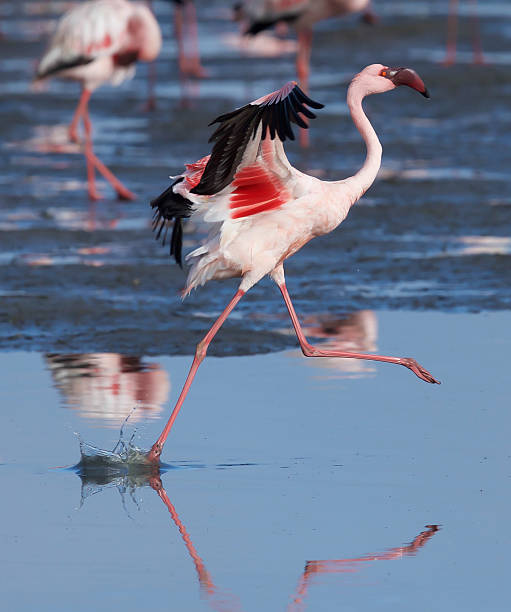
x: 450, y: 57
x: 198, y: 72
x: 150, y: 105
x: 418, y: 370
x: 94, y: 195
x: 125, y: 194
x: 73, y: 135
x: 153, y: 456
x: 193, y: 69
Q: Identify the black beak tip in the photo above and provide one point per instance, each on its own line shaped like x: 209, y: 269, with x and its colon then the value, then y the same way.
x: 425, y: 93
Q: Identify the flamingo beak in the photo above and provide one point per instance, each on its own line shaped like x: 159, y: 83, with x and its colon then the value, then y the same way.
x: 407, y: 76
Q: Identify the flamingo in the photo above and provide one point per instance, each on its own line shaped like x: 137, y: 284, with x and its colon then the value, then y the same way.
x: 261, y: 209
x: 96, y: 42
x: 452, y: 34
x: 302, y: 14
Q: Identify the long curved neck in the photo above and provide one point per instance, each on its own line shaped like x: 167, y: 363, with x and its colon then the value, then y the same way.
x: 364, y: 178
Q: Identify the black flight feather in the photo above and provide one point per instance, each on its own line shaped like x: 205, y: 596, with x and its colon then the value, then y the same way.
x: 265, y: 24
x: 237, y: 128
x: 170, y: 206
x: 79, y: 60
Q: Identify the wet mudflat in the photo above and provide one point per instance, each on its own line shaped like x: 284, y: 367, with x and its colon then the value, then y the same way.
x: 289, y: 483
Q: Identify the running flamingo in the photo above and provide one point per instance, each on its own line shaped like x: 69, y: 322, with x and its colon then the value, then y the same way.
x: 302, y: 14
x: 96, y: 42
x: 452, y: 34
x: 263, y: 210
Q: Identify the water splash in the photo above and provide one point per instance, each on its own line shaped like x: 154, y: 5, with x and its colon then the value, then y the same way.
x: 126, y: 465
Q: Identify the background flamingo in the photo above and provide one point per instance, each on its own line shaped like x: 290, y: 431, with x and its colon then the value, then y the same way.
x: 95, y: 43
x: 108, y: 386
x: 262, y: 209
x: 452, y: 34
x: 302, y: 15
x: 186, y: 35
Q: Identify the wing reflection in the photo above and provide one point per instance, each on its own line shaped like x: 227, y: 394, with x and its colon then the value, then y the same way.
x: 354, y: 332
x: 108, y: 386
x: 138, y: 475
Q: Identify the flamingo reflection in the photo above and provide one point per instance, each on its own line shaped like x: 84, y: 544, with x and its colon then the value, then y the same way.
x: 342, y: 566
x: 353, y: 332
x: 219, y: 599
x: 108, y: 386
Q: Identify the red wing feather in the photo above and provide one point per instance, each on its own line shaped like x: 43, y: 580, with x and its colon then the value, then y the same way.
x: 256, y: 190
x: 195, y: 171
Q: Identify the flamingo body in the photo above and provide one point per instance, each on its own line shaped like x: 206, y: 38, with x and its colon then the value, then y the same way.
x: 261, y: 210
x: 101, y: 41
x: 98, y: 42
x: 262, y: 14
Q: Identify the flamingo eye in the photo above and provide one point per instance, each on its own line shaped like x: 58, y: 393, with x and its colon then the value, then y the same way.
x: 388, y: 73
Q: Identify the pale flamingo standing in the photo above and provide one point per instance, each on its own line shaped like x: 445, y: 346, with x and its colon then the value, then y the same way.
x: 98, y: 42
x: 302, y: 15
x: 261, y: 209
x: 452, y: 34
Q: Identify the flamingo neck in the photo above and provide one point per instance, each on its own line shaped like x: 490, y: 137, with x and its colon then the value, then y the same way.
x: 364, y: 178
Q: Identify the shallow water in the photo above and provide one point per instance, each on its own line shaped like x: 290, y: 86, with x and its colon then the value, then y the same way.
x: 288, y: 484
x: 284, y: 482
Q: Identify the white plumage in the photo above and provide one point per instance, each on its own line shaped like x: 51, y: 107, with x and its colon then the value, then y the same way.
x: 261, y: 209
x: 98, y: 42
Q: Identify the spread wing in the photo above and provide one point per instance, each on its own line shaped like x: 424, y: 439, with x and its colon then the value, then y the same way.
x: 239, y: 135
x: 247, y: 172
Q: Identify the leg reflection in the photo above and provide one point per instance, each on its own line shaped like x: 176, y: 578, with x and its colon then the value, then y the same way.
x: 341, y: 566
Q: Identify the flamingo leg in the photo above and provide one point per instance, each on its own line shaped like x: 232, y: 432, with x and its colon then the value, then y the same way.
x: 82, y: 104
x: 200, y: 353
x: 178, y: 33
x: 476, y: 35
x: 91, y: 179
x: 452, y: 33
x: 185, y: 31
x: 150, y: 105
x: 94, y: 162
x: 302, y: 70
x: 311, y: 351
x: 194, y: 65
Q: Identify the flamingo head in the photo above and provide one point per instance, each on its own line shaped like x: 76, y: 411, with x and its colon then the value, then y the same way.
x: 378, y: 78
